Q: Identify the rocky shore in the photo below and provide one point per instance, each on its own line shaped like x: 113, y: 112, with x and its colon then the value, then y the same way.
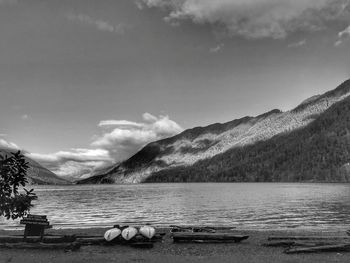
x: 250, y: 250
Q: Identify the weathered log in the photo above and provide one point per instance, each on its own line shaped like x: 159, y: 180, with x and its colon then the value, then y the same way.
x: 91, y: 240
x: 307, y: 237
x: 279, y: 244
x: 140, y: 238
x: 327, y: 248
x: 188, y: 236
x: 205, y: 241
x: 209, y: 228
x: 37, y: 239
x: 175, y: 228
x: 119, y: 240
x: 66, y: 246
x: 306, y: 243
x: 156, y: 236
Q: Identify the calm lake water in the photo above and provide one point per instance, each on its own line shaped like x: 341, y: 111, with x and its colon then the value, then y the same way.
x: 243, y: 205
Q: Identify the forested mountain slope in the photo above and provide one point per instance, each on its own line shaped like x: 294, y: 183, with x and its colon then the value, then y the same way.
x: 319, y: 152
x: 221, y: 152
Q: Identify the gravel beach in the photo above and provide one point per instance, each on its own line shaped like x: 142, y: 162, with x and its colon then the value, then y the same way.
x: 250, y: 250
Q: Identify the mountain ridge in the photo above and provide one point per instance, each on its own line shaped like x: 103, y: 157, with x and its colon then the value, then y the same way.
x: 318, y: 152
x: 36, y: 173
x: 201, y: 143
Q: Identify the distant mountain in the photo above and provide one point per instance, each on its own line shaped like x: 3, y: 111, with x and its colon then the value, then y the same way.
x: 37, y: 174
x: 308, y: 143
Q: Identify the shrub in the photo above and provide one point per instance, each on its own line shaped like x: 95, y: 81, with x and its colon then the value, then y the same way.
x: 13, y: 171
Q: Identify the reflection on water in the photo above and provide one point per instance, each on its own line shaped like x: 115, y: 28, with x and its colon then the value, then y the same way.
x: 245, y: 205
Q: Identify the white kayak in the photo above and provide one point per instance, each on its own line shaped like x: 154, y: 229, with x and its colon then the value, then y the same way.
x: 112, y: 234
x: 147, y: 231
x: 129, y: 232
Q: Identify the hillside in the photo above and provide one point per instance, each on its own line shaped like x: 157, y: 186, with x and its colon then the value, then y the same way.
x: 319, y: 152
x: 37, y: 174
x: 247, y: 149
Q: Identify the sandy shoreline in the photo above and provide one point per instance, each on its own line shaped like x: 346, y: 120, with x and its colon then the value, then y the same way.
x: 250, y: 250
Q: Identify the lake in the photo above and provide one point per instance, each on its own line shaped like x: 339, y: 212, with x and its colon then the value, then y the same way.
x: 242, y: 205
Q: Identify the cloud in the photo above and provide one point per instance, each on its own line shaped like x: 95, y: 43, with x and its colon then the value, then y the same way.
x: 254, y: 19
x: 123, y: 138
x: 97, y: 23
x: 111, y: 123
x: 216, y: 49
x: 345, y: 32
x: 4, y: 144
x: 297, y: 44
x: 75, y: 162
x: 25, y: 117
x: 118, y: 140
x: 342, y: 36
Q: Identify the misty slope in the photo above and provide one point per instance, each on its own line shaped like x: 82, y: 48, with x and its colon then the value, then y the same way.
x: 201, y: 144
x: 37, y: 174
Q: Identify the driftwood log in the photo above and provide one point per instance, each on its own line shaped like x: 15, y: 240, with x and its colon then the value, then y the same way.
x: 91, y: 241
x: 207, y: 237
x: 201, y: 228
x: 270, y: 238
x: 37, y: 239
x: 81, y: 239
x: 306, y: 243
x: 326, y: 248
x: 119, y: 240
x: 66, y: 246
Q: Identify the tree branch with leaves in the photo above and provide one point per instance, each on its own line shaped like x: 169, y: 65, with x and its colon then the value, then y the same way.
x: 13, y: 171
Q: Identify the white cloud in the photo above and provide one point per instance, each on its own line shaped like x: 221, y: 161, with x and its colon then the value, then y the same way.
x: 123, y: 138
x: 149, y: 117
x: 97, y: 23
x: 297, y: 44
x: 342, y: 36
x: 25, y: 117
x: 119, y: 139
x: 77, y: 155
x: 345, y: 32
x: 8, y: 145
x: 75, y: 162
x: 216, y: 49
x: 109, y: 123
x: 255, y: 18
x: 338, y: 43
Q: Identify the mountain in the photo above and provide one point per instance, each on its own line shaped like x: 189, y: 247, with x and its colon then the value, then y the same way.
x: 37, y: 174
x: 308, y: 143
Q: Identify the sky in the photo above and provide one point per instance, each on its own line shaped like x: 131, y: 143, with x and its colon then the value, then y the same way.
x: 87, y: 83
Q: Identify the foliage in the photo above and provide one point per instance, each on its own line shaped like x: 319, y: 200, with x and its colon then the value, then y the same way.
x: 317, y: 152
x: 13, y: 171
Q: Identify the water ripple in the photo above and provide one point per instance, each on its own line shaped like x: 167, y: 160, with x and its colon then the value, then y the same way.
x: 246, y: 205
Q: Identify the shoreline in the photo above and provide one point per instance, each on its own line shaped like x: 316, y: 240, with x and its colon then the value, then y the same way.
x: 250, y: 250
x: 166, y: 227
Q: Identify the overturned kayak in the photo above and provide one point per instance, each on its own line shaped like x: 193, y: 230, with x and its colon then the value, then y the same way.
x: 147, y: 231
x: 112, y: 234
x: 129, y: 232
